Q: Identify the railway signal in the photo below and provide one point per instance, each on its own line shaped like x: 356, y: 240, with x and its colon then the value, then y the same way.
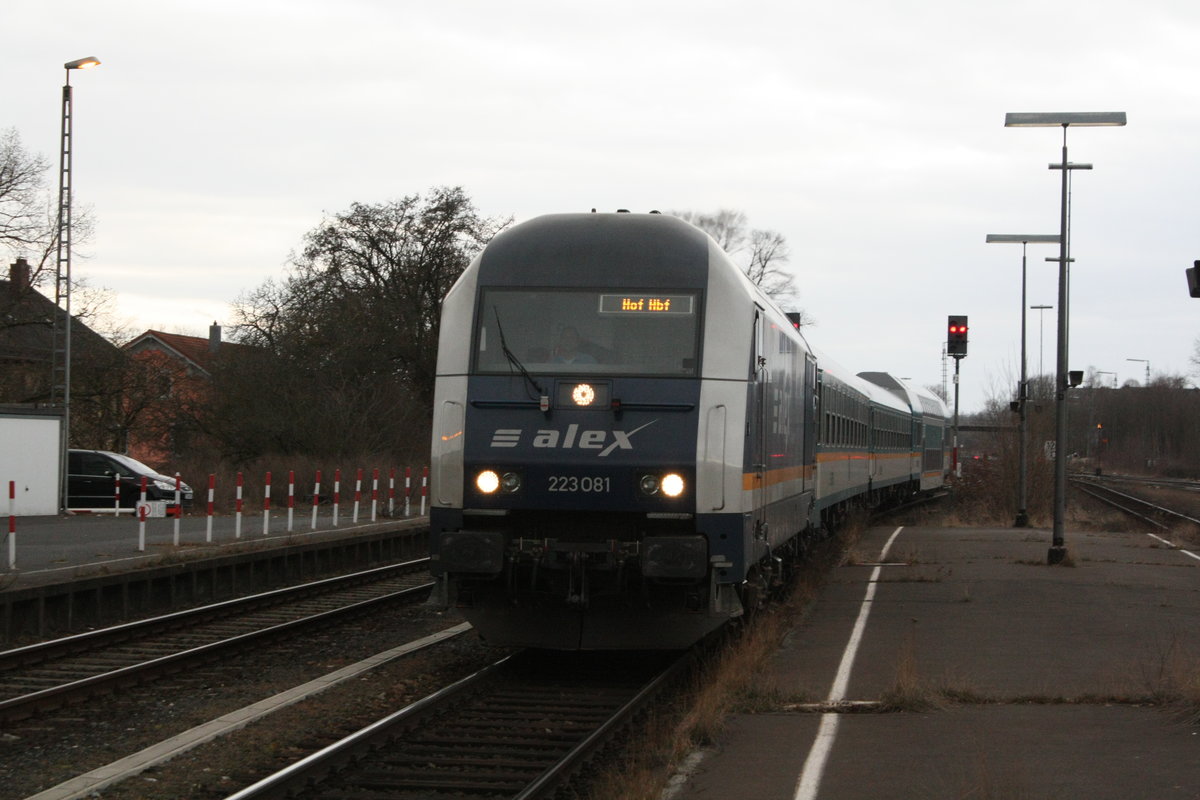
x: 1193, y: 278
x: 956, y: 337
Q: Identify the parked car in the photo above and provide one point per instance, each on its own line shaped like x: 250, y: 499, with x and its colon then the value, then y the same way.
x: 91, y: 481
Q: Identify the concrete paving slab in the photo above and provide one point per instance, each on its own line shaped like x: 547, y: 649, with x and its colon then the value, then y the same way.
x: 1030, y: 752
x: 980, y: 610
x: 1043, y: 676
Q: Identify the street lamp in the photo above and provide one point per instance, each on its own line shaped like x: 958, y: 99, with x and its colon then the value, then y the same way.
x: 1058, y: 550
x: 1147, y: 363
x: 61, y: 345
x: 1041, y: 335
x: 1024, y: 239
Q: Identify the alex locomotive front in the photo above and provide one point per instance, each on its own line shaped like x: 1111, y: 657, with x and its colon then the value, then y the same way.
x: 595, y: 456
x: 631, y: 440
x: 570, y: 489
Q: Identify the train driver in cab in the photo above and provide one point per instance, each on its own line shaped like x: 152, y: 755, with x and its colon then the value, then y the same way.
x: 567, y: 350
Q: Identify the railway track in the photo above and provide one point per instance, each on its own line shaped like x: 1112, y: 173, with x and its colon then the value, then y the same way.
x: 1152, y: 514
x: 53, y: 673
x: 1135, y: 480
x: 521, y: 728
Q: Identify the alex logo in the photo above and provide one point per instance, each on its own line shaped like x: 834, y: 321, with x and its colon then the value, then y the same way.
x: 571, y: 438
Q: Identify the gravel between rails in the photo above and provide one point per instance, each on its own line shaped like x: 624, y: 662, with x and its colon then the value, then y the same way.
x: 39, y: 753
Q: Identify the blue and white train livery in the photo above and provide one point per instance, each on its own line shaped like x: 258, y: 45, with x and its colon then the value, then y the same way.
x: 630, y: 439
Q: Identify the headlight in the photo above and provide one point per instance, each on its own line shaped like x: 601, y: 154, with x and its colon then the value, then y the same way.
x: 165, y: 485
x: 583, y: 394
x: 510, y: 482
x: 669, y: 485
x: 487, y: 481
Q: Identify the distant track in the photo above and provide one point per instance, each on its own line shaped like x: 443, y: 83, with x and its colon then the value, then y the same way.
x: 1151, y: 513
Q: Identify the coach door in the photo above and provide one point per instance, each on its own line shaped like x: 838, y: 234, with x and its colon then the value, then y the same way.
x: 759, y: 377
x: 812, y: 416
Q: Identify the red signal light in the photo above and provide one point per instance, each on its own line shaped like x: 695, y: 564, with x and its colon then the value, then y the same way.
x: 956, y: 340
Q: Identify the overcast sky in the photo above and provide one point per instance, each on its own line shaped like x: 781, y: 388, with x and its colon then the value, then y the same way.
x: 870, y: 134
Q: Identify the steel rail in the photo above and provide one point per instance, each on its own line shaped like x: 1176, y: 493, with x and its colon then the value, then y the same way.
x: 325, y: 761
x: 554, y: 777
x: 25, y: 705
x: 308, y: 772
x: 90, y: 640
x: 1080, y: 483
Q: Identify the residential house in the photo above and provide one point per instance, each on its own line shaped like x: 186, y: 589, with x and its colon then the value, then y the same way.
x: 26, y: 356
x: 176, y: 371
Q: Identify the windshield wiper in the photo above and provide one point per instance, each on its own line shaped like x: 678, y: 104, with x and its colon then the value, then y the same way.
x: 515, y: 362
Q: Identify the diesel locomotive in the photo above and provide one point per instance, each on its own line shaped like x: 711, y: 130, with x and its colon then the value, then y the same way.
x: 631, y: 440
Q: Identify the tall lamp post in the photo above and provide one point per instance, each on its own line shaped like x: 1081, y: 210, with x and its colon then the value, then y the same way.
x: 1058, y: 550
x: 1147, y: 363
x: 60, y: 374
x: 1024, y: 239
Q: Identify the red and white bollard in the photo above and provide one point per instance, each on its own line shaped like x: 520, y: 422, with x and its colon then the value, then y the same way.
x: 392, y: 492
x: 212, y: 485
x: 267, y: 504
x: 237, y: 510
x: 337, y: 494
x: 374, y: 492
x: 12, y: 524
x: 142, y: 511
x: 178, y: 509
x: 357, y: 493
x: 316, y: 499
x: 291, y: 497
x: 117, y: 495
x: 424, y: 488
x: 407, y: 490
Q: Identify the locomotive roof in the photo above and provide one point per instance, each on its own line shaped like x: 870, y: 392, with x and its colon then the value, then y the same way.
x: 646, y: 250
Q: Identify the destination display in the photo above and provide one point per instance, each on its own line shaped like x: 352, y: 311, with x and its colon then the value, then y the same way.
x: 682, y: 304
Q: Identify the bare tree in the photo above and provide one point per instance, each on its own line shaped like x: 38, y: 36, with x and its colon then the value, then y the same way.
x: 23, y: 202
x: 347, y: 342
x: 764, y: 253
x: 29, y: 213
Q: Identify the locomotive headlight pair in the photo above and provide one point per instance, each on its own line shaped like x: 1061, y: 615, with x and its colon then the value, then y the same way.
x: 670, y: 485
x: 489, y: 481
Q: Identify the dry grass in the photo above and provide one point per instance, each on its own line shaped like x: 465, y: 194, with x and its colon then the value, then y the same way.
x: 1185, y: 532
x: 1171, y: 677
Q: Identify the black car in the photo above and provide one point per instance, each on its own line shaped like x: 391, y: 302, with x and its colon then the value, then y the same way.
x: 92, y: 474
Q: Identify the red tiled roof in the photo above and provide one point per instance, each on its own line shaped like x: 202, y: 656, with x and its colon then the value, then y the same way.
x: 194, y: 349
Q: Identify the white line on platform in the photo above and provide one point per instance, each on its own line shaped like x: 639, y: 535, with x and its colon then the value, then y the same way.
x: 814, y: 765
x: 1174, y: 546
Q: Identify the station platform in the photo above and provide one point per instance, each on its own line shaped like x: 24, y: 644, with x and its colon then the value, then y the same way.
x: 56, y: 549
x: 954, y: 663
x: 77, y: 572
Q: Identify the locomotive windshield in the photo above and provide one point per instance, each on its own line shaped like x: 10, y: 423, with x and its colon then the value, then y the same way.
x: 590, y: 331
